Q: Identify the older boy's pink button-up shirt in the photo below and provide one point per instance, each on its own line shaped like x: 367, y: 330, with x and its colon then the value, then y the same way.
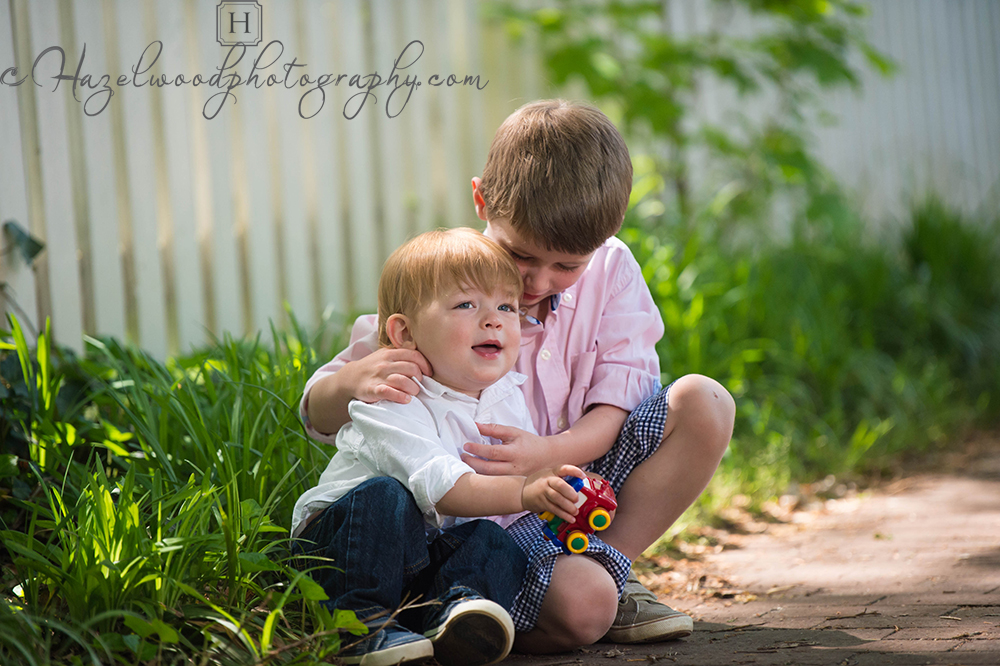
x: 596, y: 348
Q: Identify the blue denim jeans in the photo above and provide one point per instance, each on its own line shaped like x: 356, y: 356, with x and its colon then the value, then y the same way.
x: 379, y: 554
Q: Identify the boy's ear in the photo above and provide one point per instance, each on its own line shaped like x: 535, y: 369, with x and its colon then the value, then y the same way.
x: 400, y: 331
x: 478, y: 200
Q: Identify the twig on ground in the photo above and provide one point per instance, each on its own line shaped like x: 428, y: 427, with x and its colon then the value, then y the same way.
x: 322, y: 634
x: 737, y: 628
x: 847, y: 617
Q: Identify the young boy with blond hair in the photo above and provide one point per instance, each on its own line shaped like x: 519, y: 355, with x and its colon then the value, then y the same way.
x: 553, y: 193
x: 453, y: 297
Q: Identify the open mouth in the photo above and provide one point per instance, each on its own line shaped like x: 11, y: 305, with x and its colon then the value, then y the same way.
x: 490, y: 348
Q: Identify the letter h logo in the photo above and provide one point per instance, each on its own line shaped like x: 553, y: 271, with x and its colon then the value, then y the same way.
x: 239, y: 22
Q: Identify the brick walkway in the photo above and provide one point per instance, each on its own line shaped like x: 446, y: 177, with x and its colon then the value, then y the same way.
x: 908, y: 575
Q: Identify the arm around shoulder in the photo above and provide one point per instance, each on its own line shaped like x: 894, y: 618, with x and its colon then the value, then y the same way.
x: 327, y: 401
x: 325, y: 410
x: 361, y: 372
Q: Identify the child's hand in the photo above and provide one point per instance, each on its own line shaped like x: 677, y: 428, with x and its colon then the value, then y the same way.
x: 521, y: 453
x: 547, y: 491
x: 387, y: 374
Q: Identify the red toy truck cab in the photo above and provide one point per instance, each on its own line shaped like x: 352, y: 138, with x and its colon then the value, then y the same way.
x: 596, y: 502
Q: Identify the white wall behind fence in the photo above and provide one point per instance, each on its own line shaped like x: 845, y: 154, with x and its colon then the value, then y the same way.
x: 935, y: 126
x: 164, y: 227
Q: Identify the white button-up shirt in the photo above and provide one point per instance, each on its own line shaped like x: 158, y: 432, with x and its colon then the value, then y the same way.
x: 418, y: 444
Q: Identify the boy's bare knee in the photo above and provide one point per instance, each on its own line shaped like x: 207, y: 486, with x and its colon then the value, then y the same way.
x: 581, y: 604
x: 705, y: 404
x: 588, y: 621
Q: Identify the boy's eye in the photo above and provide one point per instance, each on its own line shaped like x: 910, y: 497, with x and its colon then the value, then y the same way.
x: 516, y: 256
x: 464, y: 305
x: 506, y: 307
x: 566, y: 269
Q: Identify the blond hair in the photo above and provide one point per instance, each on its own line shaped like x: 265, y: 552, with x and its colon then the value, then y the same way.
x: 426, y: 266
x: 560, y: 173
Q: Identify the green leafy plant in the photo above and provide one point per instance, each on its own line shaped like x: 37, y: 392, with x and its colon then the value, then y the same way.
x: 148, y: 522
x: 766, y: 60
x: 841, y: 353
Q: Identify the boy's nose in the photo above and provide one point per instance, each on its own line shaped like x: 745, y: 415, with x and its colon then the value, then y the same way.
x: 534, y: 282
x: 538, y: 281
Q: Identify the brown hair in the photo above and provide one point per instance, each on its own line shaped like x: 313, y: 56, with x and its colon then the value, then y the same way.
x: 425, y: 266
x: 560, y: 173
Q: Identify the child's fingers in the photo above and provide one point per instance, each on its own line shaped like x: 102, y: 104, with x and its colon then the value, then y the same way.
x: 561, y: 506
x: 501, y: 432
x: 571, y: 470
x: 409, y: 362
x: 561, y: 496
x: 488, y: 467
x: 403, y: 370
x: 564, y: 515
x: 404, y: 383
x: 386, y: 392
x: 423, y: 363
x: 559, y: 485
x: 488, y: 451
x: 488, y: 460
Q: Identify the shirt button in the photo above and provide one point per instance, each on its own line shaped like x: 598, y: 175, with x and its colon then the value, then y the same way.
x: 546, y: 355
x: 562, y: 423
x: 567, y: 297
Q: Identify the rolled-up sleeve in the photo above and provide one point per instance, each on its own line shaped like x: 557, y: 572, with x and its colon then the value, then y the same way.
x: 364, y: 341
x: 401, y: 441
x: 627, y: 368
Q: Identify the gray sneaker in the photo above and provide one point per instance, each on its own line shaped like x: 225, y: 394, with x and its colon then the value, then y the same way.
x: 643, y: 619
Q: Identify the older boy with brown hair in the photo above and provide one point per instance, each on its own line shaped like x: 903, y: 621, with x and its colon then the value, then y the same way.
x: 553, y: 194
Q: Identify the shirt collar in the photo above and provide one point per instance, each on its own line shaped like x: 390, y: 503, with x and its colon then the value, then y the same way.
x: 499, y: 391
x: 554, y: 300
x: 436, y: 389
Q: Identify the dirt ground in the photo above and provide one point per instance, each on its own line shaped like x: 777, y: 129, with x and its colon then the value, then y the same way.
x: 907, y: 573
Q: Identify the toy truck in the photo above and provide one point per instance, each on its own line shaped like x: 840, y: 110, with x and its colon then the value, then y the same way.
x: 595, y: 501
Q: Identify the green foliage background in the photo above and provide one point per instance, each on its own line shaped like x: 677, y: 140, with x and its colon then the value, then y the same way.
x: 144, y: 505
x: 841, y: 354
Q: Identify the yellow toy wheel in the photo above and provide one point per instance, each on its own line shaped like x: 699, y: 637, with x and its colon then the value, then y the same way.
x: 599, y: 519
x: 577, y: 542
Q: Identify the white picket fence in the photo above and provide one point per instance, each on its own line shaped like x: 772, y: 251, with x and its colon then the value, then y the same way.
x: 164, y: 227
x: 935, y: 126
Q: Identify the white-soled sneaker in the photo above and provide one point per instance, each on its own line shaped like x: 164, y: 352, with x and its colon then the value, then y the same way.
x: 387, y: 645
x: 471, y: 631
x: 643, y: 619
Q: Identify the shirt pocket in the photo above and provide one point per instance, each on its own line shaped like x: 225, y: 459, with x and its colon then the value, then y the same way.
x: 581, y: 374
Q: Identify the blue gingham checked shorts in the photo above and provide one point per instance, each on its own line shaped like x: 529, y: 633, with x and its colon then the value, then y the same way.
x: 639, y: 438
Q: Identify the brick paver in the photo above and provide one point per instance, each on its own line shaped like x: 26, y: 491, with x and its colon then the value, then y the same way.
x: 895, y: 578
